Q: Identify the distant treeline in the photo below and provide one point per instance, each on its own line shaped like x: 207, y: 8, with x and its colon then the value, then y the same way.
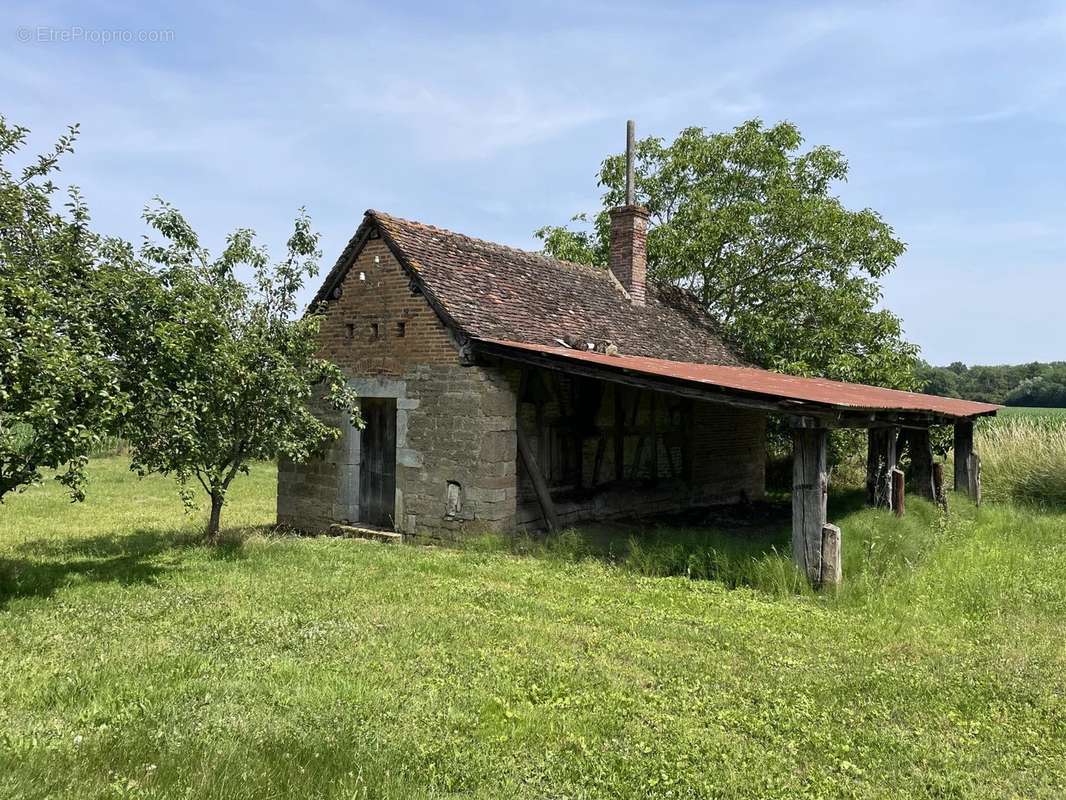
x: 1035, y: 384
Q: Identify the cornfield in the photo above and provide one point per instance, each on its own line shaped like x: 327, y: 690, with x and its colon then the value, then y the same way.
x: 1023, y: 456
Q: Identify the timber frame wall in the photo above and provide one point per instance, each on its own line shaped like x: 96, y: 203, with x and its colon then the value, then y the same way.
x: 606, y: 450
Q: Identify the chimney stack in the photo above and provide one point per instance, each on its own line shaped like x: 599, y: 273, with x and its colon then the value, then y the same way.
x: 629, y: 233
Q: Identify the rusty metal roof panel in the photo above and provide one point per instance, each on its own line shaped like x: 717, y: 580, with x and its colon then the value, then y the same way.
x: 777, y: 385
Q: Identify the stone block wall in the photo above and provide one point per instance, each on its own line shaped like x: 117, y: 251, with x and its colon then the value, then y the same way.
x: 455, y: 424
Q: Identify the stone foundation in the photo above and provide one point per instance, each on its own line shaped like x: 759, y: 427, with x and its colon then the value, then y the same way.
x: 455, y: 457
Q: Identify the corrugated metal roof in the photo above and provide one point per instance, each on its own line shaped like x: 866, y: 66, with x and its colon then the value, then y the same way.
x: 749, y: 380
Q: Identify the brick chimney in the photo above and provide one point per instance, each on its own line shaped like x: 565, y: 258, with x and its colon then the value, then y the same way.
x: 629, y: 258
x: 629, y: 234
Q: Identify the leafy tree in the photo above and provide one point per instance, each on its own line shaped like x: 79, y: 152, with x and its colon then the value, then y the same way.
x: 1032, y: 384
x: 941, y: 381
x: 59, y: 390
x: 223, y: 372
x: 750, y: 225
x: 1047, y: 390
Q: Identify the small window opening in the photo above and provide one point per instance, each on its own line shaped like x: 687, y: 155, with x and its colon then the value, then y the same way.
x: 349, y: 330
x: 373, y: 331
x: 453, y: 500
x: 401, y: 329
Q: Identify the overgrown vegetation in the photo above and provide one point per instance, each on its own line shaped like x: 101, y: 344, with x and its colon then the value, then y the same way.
x: 1023, y: 456
x: 140, y: 663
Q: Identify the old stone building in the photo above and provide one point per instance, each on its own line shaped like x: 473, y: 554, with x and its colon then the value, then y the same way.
x: 504, y: 389
x: 402, y: 309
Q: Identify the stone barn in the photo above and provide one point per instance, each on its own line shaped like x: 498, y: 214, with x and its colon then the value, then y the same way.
x: 502, y: 389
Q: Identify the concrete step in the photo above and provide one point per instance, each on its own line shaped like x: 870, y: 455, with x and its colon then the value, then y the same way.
x: 366, y: 532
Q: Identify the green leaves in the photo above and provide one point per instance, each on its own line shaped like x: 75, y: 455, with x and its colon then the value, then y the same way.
x: 59, y: 387
x: 221, y: 372
x: 748, y: 224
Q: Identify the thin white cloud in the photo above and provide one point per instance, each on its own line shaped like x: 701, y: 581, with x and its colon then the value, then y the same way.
x: 447, y: 125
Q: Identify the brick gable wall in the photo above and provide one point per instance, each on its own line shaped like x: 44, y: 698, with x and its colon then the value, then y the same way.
x: 383, y: 298
x: 455, y: 426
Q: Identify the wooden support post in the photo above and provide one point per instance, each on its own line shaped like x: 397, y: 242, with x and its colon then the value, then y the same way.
x: 881, y: 459
x: 540, y: 485
x: 619, y: 434
x: 655, y: 437
x: 898, y: 495
x: 810, y: 485
x: 921, y: 452
x: 938, y: 486
x: 974, y: 470
x: 831, y: 571
x: 963, y: 451
x: 601, y: 447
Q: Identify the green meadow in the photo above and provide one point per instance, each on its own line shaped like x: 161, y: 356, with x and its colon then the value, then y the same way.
x: 640, y: 661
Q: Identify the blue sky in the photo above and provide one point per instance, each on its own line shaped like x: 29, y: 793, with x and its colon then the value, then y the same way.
x: 491, y: 119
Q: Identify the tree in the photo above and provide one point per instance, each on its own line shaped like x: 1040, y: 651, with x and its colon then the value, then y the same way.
x: 59, y: 389
x: 749, y: 225
x: 1033, y: 384
x: 1044, y: 391
x: 223, y: 373
x: 943, y: 381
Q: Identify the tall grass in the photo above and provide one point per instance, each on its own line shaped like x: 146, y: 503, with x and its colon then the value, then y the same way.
x: 1023, y: 457
x: 754, y: 552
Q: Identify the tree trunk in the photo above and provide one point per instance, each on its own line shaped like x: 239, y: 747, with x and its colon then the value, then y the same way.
x: 216, y: 513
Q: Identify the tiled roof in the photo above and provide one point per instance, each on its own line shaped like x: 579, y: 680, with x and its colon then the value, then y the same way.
x: 494, y: 292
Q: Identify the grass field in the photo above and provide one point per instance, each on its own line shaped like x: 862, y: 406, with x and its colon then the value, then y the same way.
x: 1023, y: 456
x: 138, y: 663
x: 1056, y: 415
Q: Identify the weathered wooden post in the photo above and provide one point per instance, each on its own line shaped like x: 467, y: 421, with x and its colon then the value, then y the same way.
x: 898, y: 495
x: 963, y: 452
x: 921, y: 452
x: 881, y: 459
x: 938, y: 486
x: 810, y: 489
x: 831, y: 571
x: 974, y: 470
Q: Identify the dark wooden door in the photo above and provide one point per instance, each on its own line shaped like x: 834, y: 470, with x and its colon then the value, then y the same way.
x: 377, y: 467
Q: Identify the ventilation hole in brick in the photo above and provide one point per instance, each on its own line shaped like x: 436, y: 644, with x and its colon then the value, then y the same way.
x: 401, y: 328
x: 373, y: 330
x: 453, y: 500
x: 349, y: 330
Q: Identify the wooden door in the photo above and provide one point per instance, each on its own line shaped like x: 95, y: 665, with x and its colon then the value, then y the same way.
x: 377, y: 468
